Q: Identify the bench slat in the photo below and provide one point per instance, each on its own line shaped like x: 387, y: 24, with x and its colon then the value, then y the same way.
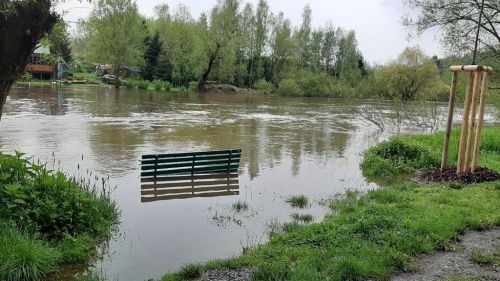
x: 189, y: 159
x: 189, y: 164
x: 188, y: 190
x: 187, y: 196
x: 201, y: 170
x: 189, y: 183
x: 144, y: 157
x: 184, y: 178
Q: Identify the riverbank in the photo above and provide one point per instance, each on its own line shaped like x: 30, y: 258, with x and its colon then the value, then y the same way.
x: 48, y: 219
x: 377, y: 234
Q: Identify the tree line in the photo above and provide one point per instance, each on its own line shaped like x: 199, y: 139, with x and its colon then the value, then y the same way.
x: 246, y: 46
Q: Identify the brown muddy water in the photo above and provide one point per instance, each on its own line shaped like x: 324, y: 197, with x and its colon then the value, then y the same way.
x: 291, y: 146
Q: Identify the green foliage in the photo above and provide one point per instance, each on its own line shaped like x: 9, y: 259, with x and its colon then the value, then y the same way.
x: 299, y: 201
x: 24, y: 258
x: 289, y: 87
x: 412, y: 74
x: 143, y: 84
x: 26, y: 77
x: 307, y: 218
x: 193, y: 86
x: 313, y: 84
x: 72, y: 215
x: 264, y: 85
x: 481, y: 258
x: 240, y: 206
x: 396, y: 157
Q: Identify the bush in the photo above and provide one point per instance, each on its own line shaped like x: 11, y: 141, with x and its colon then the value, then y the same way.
x: 263, y: 85
x: 26, y: 77
x: 132, y: 84
x: 398, y: 156
x: 289, y: 87
x: 193, y: 86
x: 70, y: 214
x: 167, y: 86
x: 143, y: 84
x: 158, y: 85
x: 315, y: 84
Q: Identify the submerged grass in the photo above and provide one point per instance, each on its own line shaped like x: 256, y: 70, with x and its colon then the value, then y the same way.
x: 298, y: 201
x: 373, y: 235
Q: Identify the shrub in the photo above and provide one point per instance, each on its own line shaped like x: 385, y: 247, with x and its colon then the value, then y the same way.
x: 158, y: 85
x: 315, y: 84
x: 132, y: 84
x: 26, y: 77
x: 143, y: 84
x: 289, y: 87
x: 193, y: 86
x: 49, y: 203
x: 263, y: 85
x: 396, y: 157
x: 167, y: 86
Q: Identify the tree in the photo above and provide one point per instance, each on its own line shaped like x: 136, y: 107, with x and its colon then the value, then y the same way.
x: 152, y: 57
x: 59, y: 42
x: 411, y: 74
x: 304, y: 37
x: 115, y: 33
x: 459, y: 19
x: 219, y: 35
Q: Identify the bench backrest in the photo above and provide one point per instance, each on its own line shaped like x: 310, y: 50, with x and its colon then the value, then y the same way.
x: 187, y: 175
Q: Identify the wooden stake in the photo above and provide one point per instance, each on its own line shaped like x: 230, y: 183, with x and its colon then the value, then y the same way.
x: 465, y: 123
x: 453, y: 94
x: 472, y: 122
x: 482, y: 107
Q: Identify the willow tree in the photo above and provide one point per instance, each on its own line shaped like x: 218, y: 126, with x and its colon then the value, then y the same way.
x: 219, y: 35
x: 22, y: 25
x: 116, y: 34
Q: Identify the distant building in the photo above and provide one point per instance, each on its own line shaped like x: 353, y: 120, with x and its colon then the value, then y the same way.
x: 37, y: 68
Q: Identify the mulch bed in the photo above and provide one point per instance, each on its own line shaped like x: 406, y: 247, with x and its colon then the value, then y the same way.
x: 450, y: 175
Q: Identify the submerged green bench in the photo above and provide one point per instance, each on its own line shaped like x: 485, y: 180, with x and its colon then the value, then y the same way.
x: 188, y: 175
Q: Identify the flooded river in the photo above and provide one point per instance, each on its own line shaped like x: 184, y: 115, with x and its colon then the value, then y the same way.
x: 290, y: 146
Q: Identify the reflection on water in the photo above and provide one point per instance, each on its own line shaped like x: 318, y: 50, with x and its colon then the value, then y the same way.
x: 290, y: 146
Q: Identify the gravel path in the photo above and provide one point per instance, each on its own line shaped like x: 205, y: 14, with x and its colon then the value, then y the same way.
x: 241, y: 274
x: 446, y: 265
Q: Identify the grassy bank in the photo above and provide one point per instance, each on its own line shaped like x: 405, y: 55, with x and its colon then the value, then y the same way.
x: 48, y: 219
x: 372, y: 235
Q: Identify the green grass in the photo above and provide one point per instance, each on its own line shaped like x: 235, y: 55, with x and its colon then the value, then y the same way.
x: 240, y: 206
x: 54, y: 219
x: 407, y: 155
x: 304, y: 218
x: 370, y: 236
x: 298, y: 201
x: 481, y: 258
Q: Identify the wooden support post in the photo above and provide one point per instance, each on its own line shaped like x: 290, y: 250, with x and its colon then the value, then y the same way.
x: 465, y: 123
x: 472, y: 122
x: 453, y: 94
x: 482, y: 107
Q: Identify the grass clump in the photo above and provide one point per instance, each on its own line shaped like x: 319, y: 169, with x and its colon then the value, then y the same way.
x: 480, y: 258
x: 398, y: 156
x: 303, y: 218
x: 298, y: 201
x: 456, y: 185
x: 54, y: 219
x: 240, y: 206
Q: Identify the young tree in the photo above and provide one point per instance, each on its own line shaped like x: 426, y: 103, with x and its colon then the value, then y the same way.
x: 115, y: 33
x: 22, y: 25
x: 304, y: 37
x: 459, y: 20
x: 59, y: 42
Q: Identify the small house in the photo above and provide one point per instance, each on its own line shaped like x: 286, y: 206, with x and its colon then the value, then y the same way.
x: 37, y: 67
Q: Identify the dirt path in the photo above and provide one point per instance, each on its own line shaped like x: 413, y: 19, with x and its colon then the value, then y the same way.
x: 458, y: 264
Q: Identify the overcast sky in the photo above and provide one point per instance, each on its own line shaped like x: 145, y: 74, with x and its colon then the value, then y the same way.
x: 377, y: 23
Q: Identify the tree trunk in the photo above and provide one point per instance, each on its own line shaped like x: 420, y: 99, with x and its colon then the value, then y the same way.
x: 204, y: 77
x: 117, y: 77
x: 22, y: 25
